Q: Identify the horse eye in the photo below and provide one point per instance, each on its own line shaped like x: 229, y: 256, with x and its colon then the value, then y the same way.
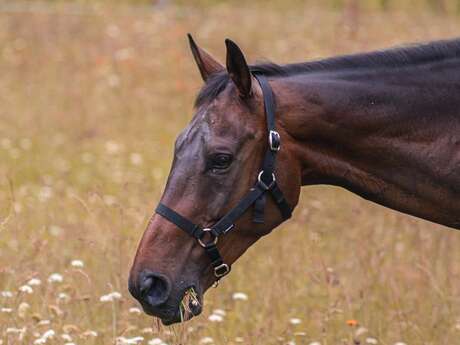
x: 220, y: 161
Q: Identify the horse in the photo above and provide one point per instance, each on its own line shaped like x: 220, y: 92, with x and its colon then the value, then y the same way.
x: 384, y: 125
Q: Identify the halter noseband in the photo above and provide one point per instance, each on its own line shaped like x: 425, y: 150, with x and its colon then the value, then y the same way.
x: 266, y: 182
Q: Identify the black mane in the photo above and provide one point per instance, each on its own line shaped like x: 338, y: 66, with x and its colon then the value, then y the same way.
x: 390, y: 58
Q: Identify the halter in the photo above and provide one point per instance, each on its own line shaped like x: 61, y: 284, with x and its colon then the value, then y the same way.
x: 266, y: 183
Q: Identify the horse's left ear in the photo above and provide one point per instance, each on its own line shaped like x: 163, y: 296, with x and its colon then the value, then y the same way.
x: 238, y: 69
x: 205, y: 62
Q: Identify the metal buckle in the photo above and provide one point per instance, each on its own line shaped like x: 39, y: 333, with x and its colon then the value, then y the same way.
x: 204, y: 245
x: 274, y: 140
x: 221, y: 270
x: 262, y: 183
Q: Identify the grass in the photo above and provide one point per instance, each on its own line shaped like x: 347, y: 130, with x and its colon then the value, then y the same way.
x: 190, y: 297
x: 91, y: 101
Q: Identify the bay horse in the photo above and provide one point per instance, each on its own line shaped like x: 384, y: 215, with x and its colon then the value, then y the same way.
x: 384, y: 125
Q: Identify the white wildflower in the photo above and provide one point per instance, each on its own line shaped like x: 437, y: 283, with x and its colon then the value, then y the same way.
x: 110, y: 297
x: 55, y: 278
x: 220, y: 312
x: 116, y: 295
x: 241, y: 296
x: 206, y: 340
x: 66, y: 337
x: 106, y: 298
x: 49, y: 334
x: 371, y: 341
x: 90, y: 333
x: 400, y: 343
x: 300, y: 334
x: 155, y: 341
x: 129, y: 341
x: 6, y: 294
x: 63, y: 297
x: 6, y: 310
x: 295, y: 321
x: 26, y: 289
x: 77, y: 263
x: 34, y: 282
x: 20, y: 332
x: 315, y: 343
x: 14, y: 330
x: 239, y: 340
x: 360, y: 331
x: 215, y: 318
x: 135, y: 310
x: 44, y: 323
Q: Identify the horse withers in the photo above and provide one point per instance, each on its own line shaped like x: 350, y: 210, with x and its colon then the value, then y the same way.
x: 384, y: 125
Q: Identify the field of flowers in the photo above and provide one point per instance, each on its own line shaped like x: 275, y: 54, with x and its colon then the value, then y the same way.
x: 91, y: 99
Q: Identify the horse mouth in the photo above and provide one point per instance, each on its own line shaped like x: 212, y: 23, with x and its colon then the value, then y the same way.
x: 190, y: 305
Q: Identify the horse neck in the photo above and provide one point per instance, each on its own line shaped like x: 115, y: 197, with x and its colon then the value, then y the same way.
x: 391, y: 136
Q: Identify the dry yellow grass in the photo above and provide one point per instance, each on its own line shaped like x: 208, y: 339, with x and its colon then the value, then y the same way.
x: 91, y: 99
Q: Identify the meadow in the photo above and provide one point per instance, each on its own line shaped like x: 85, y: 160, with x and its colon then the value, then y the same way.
x: 91, y: 100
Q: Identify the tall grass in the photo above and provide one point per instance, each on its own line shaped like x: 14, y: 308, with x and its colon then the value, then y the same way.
x: 90, y: 104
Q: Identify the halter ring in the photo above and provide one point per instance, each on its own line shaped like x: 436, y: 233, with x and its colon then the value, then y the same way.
x: 263, y: 184
x: 200, y: 241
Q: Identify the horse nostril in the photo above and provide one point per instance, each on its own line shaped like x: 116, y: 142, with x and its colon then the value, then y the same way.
x: 146, y: 284
x: 154, y: 288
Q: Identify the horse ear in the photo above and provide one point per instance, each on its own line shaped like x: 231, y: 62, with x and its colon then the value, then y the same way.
x: 238, y: 69
x: 205, y: 62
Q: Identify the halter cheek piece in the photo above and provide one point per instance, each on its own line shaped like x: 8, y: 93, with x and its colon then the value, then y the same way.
x: 266, y: 183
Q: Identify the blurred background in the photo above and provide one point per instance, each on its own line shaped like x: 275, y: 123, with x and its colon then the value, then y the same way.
x: 92, y: 96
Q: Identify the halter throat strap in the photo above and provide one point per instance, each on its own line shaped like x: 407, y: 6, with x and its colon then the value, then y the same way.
x: 265, y: 184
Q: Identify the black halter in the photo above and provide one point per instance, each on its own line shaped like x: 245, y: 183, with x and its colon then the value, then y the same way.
x: 266, y: 182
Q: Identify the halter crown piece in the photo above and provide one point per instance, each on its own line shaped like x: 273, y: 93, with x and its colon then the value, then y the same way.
x: 266, y: 183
